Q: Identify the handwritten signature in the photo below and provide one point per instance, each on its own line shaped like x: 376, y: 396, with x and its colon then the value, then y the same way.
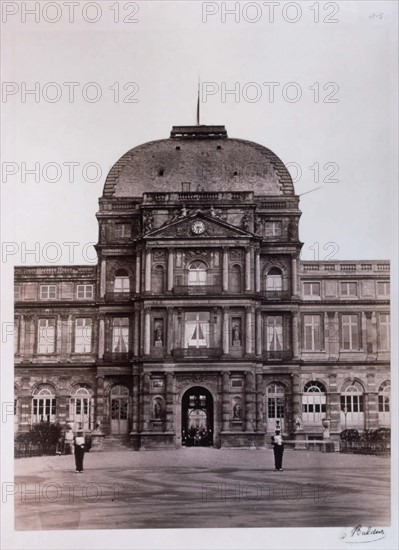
x: 360, y: 534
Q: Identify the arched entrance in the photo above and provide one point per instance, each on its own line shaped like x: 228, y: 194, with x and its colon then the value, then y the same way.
x: 197, y: 417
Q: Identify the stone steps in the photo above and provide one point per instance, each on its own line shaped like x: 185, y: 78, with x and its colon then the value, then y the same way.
x: 116, y: 443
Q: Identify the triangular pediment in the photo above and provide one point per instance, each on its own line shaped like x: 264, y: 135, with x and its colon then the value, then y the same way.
x: 198, y: 225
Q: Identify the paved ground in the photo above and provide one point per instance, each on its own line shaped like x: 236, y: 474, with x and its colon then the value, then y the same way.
x: 202, y: 487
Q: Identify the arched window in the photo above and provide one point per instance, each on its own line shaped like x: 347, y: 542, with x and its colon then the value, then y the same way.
x: 275, y: 406
x: 81, y: 408
x: 121, y: 281
x: 384, y: 404
x: 197, y: 273
x: 352, y: 406
x: 44, y: 405
x: 274, y: 280
x: 158, y: 279
x: 314, y: 402
x: 235, y: 285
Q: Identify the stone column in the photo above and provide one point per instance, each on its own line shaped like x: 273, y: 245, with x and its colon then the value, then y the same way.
x: 100, y: 401
x: 226, y: 402
x: 146, y: 402
x: 294, y: 277
x: 138, y: 271
x: 333, y: 335
x: 295, y: 334
x: 148, y: 265
x: 371, y: 337
x: 248, y: 269
x: 101, y: 337
x: 21, y: 327
x: 249, y: 401
x: 169, y: 329
x: 257, y: 270
x: 225, y: 269
x: 296, y: 399
x: 171, y: 258
x: 103, y: 278
x: 135, y: 403
x: 169, y: 401
x: 258, y: 331
x: 249, y: 330
x: 225, y: 331
x: 259, y: 402
x: 371, y: 402
x: 136, y: 333
x: 333, y: 405
x: 147, y: 331
x: 66, y: 335
x: 363, y: 342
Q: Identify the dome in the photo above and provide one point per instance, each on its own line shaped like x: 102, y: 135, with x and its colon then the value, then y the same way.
x: 198, y: 158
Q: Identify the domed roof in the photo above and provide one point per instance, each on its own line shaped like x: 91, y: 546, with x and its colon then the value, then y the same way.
x: 205, y: 158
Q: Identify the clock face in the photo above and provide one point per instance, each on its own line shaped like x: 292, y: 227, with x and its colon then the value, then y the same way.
x: 198, y: 227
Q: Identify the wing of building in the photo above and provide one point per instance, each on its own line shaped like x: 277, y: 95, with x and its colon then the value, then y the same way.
x: 200, y: 325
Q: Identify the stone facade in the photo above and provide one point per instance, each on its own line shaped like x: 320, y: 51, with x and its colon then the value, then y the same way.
x: 200, y: 325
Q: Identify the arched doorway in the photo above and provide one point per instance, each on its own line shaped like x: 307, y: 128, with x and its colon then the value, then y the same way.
x: 197, y: 417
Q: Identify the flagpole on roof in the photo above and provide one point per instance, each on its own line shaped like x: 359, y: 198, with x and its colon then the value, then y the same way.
x: 198, y: 104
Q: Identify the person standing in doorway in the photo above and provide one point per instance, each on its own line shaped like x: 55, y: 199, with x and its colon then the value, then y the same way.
x: 79, y: 451
x: 278, y: 449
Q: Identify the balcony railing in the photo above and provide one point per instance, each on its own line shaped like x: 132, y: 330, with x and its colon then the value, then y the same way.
x: 116, y: 357
x: 118, y: 296
x: 278, y: 355
x: 277, y: 294
x: 196, y: 353
x: 205, y: 290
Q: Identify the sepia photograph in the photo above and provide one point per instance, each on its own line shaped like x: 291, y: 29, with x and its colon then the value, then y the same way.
x: 199, y: 266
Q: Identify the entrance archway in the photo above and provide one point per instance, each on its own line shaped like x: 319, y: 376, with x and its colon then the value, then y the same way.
x: 197, y: 417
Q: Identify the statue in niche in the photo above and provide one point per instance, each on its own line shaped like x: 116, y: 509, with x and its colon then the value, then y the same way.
x: 157, y: 410
x: 212, y: 212
x: 158, y: 335
x: 246, y: 222
x: 237, y: 412
x: 148, y: 222
x: 258, y: 225
x: 293, y: 231
x: 199, y: 188
x: 298, y: 423
x: 236, y: 335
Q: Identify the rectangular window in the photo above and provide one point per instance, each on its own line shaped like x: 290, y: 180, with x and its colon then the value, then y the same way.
x: 273, y: 229
x: 84, y: 291
x: 197, y: 328
x: 348, y: 289
x: 383, y: 288
x: 46, y: 336
x: 123, y: 231
x: 350, y: 332
x: 83, y: 335
x: 17, y: 293
x: 120, y: 335
x: 312, y: 332
x: 48, y: 292
x: 384, y: 332
x: 274, y: 333
x: 311, y: 289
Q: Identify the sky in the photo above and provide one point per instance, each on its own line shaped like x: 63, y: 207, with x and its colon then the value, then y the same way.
x: 331, y: 118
